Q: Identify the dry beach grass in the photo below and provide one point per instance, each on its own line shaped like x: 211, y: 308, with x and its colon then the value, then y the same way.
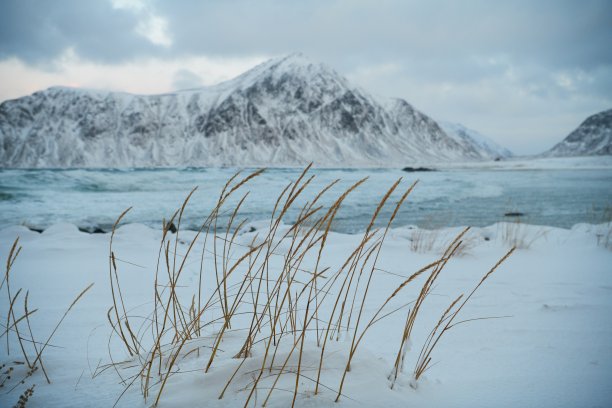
x: 284, y: 314
x: 267, y: 320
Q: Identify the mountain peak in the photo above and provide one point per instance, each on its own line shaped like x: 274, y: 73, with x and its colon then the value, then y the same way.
x: 295, y: 64
x: 296, y: 58
x: 293, y: 60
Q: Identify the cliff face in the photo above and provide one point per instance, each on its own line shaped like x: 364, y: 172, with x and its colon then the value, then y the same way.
x: 284, y: 112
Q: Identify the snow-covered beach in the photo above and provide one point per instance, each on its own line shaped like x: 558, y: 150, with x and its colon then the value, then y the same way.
x: 546, y: 340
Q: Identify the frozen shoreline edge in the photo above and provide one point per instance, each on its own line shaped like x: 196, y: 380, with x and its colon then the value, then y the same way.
x: 259, y: 225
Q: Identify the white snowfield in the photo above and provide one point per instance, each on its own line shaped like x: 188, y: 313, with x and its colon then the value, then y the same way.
x: 285, y: 112
x: 550, y: 344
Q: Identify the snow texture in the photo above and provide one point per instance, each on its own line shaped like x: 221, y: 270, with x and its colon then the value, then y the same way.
x: 284, y: 112
x: 555, y: 349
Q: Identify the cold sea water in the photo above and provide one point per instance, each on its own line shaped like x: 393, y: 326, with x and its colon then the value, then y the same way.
x: 93, y: 199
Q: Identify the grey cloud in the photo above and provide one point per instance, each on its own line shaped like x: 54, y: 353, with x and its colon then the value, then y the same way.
x: 480, y: 45
x: 501, y: 59
x: 560, y: 33
x: 572, y: 34
x: 39, y: 31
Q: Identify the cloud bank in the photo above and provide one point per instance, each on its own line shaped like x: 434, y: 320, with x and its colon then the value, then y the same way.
x: 525, y: 73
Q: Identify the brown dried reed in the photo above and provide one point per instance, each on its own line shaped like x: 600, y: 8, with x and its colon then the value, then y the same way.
x: 278, y: 291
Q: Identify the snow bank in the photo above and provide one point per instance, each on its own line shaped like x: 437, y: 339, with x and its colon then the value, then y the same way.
x: 552, y: 348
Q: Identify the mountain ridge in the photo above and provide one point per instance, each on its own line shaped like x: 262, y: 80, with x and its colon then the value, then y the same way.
x: 287, y: 111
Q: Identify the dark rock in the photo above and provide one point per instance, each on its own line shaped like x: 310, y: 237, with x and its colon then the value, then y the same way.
x: 415, y: 169
x: 5, y: 196
x: 172, y: 228
x: 514, y: 214
x: 39, y: 230
x: 92, y: 230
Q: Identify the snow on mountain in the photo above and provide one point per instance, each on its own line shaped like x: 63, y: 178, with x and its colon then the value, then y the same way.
x: 284, y: 112
x: 592, y: 138
x: 471, y: 139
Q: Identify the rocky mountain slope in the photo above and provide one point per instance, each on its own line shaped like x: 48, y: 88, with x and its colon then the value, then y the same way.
x: 592, y: 138
x: 284, y: 112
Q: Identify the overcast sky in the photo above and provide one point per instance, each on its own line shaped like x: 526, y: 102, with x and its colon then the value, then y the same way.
x: 524, y: 73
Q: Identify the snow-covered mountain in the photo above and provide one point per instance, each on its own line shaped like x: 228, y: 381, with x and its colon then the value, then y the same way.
x: 471, y: 139
x: 287, y: 111
x: 592, y: 138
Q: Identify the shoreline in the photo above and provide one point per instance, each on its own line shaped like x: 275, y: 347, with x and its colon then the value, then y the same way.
x: 250, y: 227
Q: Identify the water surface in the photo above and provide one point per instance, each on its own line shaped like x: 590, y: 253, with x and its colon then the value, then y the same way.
x: 94, y: 198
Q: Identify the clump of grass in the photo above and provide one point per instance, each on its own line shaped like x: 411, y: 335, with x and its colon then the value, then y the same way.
x: 423, y: 240
x: 270, y: 301
x: 600, y: 213
x: 18, y: 327
x: 448, y: 321
x: 604, y: 236
x: 437, y: 240
x: 414, y: 311
x: 518, y: 235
